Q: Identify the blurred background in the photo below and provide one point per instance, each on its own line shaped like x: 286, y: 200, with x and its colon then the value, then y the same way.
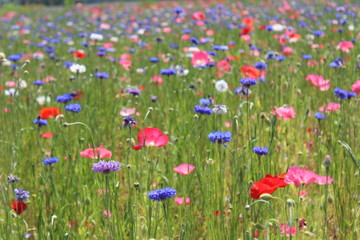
x: 61, y: 2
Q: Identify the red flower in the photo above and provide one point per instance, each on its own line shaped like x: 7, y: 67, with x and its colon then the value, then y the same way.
x: 18, y: 207
x: 151, y: 137
x: 250, y: 72
x: 267, y: 185
x: 49, y: 112
x: 79, y: 54
x: 198, y: 16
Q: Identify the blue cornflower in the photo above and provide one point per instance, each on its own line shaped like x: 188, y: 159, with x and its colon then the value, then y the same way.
x: 64, y: 98
x: 206, y: 101
x: 40, y: 122
x: 220, y: 47
x: 38, y: 82
x: 173, y: 45
x: 102, y: 75
x: 68, y: 64
x: 100, y: 54
x: 337, y: 63
x: 260, y: 150
x: 106, y: 167
x: 162, y: 194
x: 21, y: 195
x: 242, y: 91
x: 210, y: 64
x: 49, y: 161
x: 306, y: 57
x: 203, y: 110
x: 320, y: 116
x: 73, y: 107
x: 194, y: 40
x: 260, y: 65
x: 248, y: 82
x: 340, y: 93
x: 129, y: 121
x: 270, y: 55
x: 178, y: 10
x: 15, y: 57
x: 168, y: 72
x: 154, y: 59
x: 220, y: 137
x: 318, y: 33
x: 280, y: 58
x: 133, y: 91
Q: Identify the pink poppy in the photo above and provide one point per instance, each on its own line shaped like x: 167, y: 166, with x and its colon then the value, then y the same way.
x: 210, y: 32
x: 345, y: 46
x: 180, y: 201
x: 157, y: 79
x: 318, y: 81
x: 184, y: 169
x: 10, y: 84
x: 127, y: 112
x: 47, y: 135
x: 284, y: 112
x: 223, y: 66
x: 285, y: 229
x: 99, y: 152
x: 151, y: 137
x: 356, y: 87
x: 330, y: 107
x: 298, y: 176
x: 126, y: 64
x: 198, y: 16
x: 107, y: 214
x: 167, y: 30
x: 200, y: 58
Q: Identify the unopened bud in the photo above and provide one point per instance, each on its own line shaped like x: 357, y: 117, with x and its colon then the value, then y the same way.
x: 65, y: 124
x: 327, y: 161
x: 266, y: 196
x: 290, y: 203
x: 210, y: 161
x: 247, y: 207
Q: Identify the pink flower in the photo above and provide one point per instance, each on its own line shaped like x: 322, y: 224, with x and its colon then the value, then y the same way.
x: 10, y: 84
x: 157, y: 79
x: 127, y: 112
x: 330, y: 107
x: 356, y: 87
x: 300, y: 176
x: 47, y: 135
x: 345, y: 46
x: 200, y: 58
x: 180, y: 201
x: 223, y: 66
x: 198, y: 16
x: 99, y: 152
x: 151, y: 137
x: 167, y: 30
x: 318, y: 81
x: 285, y: 229
x: 184, y: 169
x: 284, y: 112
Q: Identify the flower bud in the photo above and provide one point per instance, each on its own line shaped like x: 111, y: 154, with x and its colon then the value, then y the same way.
x: 290, y: 203
x: 266, y: 196
x: 327, y: 161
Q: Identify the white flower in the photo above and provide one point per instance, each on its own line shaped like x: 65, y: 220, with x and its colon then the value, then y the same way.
x: 278, y: 27
x: 220, y: 109
x: 38, y: 56
x: 351, y: 27
x: 43, y: 99
x: 221, y: 86
x: 77, y: 68
x: 11, y: 92
x: 96, y: 36
x: 6, y: 63
x: 22, y: 84
x: 181, y: 71
x: 114, y: 39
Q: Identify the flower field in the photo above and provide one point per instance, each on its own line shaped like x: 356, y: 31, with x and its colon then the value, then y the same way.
x: 180, y: 120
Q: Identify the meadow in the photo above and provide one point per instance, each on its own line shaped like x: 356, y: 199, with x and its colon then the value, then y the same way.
x: 180, y: 120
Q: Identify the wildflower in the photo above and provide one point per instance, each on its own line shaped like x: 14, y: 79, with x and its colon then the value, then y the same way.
x: 14, y: 57
x: 77, y: 68
x: 242, y: 91
x: 49, y: 112
x: 162, y: 194
x: 184, y: 169
x: 99, y: 152
x: 40, y: 122
x: 49, y: 161
x: 284, y: 112
x: 318, y: 81
x: 267, y: 185
x: 73, y: 107
x: 319, y: 116
x: 101, y: 75
x: 180, y: 201
x: 21, y: 195
x: 38, y: 82
x: 306, y: 57
x: 221, y: 86
x: 106, y: 167
x: 330, y: 107
x: 248, y: 82
x: 96, y: 37
x: 18, y: 206
x: 168, y: 72
x: 345, y: 46
x: 151, y: 137
x: 133, y: 91
x: 129, y: 121
x: 220, y: 137
x: 127, y: 111
x: 200, y: 59
x: 12, y: 179
x: 260, y: 65
x: 202, y: 110
x: 337, y: 63
x: 300, y: 176
x: 285, y: 229
x: 64, y: 98
x: 220, y: 109
x: 342, y: 94
x: 250, y: 72
x: 260, y: 150
x: 356, y: 87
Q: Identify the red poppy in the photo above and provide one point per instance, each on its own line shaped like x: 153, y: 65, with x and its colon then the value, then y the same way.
x: 79, y: 54
x: 18, y: 207
x: 267, y: 185
x: 151, y: 137
x: 250, y: 72
x: 49, y: 112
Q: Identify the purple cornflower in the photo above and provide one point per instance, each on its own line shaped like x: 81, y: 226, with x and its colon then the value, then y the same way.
x: 320, y: 116
x: 260, y: 150
x: 106, y: 167
x: 21, y: 195
x: 102, y: 75
x: 162, y: 194
x: 242, y: 91
x: 12, y: 179
x: 133, y: 91
x: 129, y: 121
x: 202, y: 110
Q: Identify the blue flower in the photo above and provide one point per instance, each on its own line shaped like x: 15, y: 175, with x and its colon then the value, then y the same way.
x: 154, y: 59
x: 342, y: 94
x: 206, y: 101
x: 203, y: 110
x: 306, y: 57
x: 168, y: 72
x: 220, y: 47
x: 260, y: 150
x: 337, y: 63
x: 280, y: 58
x: 15, y: 57
x: 270, y: 55
x: 40, y: 122
x: 162, y: 194
x: 220, y: 137
x: 21, y: 195
x: 129, y: 121
x: 73, y: 107
x: 38, y: 82
x: 320, y: 116
x: 64, y: 98
x: 248, y: 82
x: 318, y: 33
x: 47, y: 161
x: 242, y: 91
x: 68, y: 64
x: 133, y: 91
x: 260, y: 65
x: 178, y: 10
x: 102, y: 75
x: 194, y: 40
x: 106, y: 167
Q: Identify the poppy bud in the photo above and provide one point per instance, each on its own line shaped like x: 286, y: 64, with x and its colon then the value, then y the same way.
x: 266, y: 196
x: 327, y: 161
x: 247, y: 207
x: 290, y: 203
